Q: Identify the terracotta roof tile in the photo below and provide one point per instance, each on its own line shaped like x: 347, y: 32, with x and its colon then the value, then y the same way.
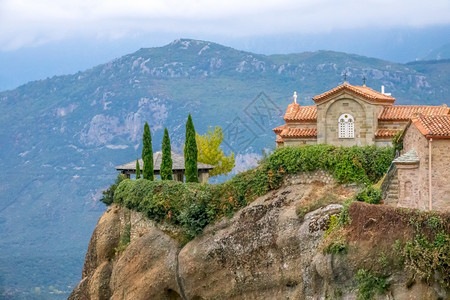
x: 298, y: 113
x: 406, y: 112
x: 386, y: 133
x: 433, y: 126
x: 279, y: 129
x: 279, y: 139
x: 361, y: 91
x: 289, y: 132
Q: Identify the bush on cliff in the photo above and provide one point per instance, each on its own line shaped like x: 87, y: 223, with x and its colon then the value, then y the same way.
x: 347, y: 164
x: 193, y: 206
x: 108, y: 195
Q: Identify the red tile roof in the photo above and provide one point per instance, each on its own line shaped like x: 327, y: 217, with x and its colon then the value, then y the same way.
x: 433, y: 126
x: 406, y: 112
x: 362, y: 91
x: 279, y: 129
x: 279, y: 139
x: 298, y: 113
x: 386, y: 133
x: 289, y: 132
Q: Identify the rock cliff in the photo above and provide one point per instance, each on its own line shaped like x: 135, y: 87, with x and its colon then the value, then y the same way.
x: 265, y: 251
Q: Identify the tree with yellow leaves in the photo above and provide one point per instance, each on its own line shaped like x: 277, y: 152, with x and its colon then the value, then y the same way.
x: 209, y: 152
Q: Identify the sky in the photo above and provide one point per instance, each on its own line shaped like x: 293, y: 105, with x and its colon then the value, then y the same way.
x: 26, y: 23
x: 40, y: 38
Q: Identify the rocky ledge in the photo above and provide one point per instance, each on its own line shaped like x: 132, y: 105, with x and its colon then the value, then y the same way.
x: 265, y: 251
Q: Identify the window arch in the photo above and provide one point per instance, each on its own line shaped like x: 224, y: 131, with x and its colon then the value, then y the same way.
x: 346, y: 126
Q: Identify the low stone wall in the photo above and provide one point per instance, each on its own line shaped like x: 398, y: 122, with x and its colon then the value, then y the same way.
x: 309, y: 177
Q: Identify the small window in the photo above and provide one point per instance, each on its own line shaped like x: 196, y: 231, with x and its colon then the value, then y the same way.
x: 346, y: 126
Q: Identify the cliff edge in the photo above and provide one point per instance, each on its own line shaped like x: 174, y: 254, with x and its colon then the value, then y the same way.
x: 267, y: 250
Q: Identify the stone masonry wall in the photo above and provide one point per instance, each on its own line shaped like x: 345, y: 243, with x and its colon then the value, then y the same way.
x: 413, y: 139
x: 409, y: 194
x: 299, y: 142
x: 309, y: 177
x: 440, y: 172
x: 440, y: 167
x: 364, y: 114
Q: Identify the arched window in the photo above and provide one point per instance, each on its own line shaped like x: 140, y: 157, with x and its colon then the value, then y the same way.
x: 346, y: 126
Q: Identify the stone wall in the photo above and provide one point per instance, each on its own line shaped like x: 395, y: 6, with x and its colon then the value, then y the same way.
x: 309, y: 177
x: 365, y: 116
x: 440, y: 166
x: 418, y: 196
x: 383, y: 143
x: 409, y: 187
x: 440, y: 172
x: 397, y: 125
x: 299, y: 142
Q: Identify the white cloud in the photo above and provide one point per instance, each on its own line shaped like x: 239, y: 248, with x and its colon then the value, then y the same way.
x: 34, y: 22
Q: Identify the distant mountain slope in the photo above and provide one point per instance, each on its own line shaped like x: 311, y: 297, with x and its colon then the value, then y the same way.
x: 442, y: 52
x: 61, y: 137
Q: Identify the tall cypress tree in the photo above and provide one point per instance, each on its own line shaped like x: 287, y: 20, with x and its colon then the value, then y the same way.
x: 138, y: 170
x: 190, y: 152
x: 166, y: 162
x: 147, y: 153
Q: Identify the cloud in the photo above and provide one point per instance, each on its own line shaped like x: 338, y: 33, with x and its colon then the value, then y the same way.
x: 31, y: 22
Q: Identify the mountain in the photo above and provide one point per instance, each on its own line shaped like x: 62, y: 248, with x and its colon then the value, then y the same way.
x: 62, y: 136
x: 442, y: 52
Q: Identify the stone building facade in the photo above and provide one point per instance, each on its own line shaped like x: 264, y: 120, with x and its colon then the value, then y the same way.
x: 348, y: 115
x: 351, y: 115
x: 423, y: 171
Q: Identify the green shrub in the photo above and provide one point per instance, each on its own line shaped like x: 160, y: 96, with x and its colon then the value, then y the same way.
x: 192, y: 206
x: 108, y: 195
x: 344, y: 215
x: 435, y: 222
x: 370, y: 195
x: 428, y: 253
x: 124, y: 241
x: 332, y: 225
x: 369, y: 285
x: 347, y: 164
x: 397, y: 142
x: 426, y: 258
x: 338, y: 246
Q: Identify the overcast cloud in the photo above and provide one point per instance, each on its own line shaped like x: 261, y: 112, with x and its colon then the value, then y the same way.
x: 34, y: 22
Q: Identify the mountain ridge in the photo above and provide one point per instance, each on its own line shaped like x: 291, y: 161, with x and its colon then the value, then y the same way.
x: 62, y: 136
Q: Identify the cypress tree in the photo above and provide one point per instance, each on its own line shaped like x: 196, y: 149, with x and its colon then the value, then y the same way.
x: 190, y: 152
x: 147, y: 153
x: 166, y: 162
x: 138, y: 170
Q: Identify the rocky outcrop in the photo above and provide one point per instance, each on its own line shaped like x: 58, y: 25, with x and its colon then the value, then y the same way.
x: 265, y: 251
x: 145, y: 270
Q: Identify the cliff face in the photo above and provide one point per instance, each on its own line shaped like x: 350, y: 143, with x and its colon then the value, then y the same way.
x: 265, y: 251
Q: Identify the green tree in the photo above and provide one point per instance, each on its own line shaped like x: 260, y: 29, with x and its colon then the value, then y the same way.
x: 190, y: 152
x: 108, y: 195
x: 209, y: 152
x: 166, y: 163
x: 147, y: 153
x: 138, y: 170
